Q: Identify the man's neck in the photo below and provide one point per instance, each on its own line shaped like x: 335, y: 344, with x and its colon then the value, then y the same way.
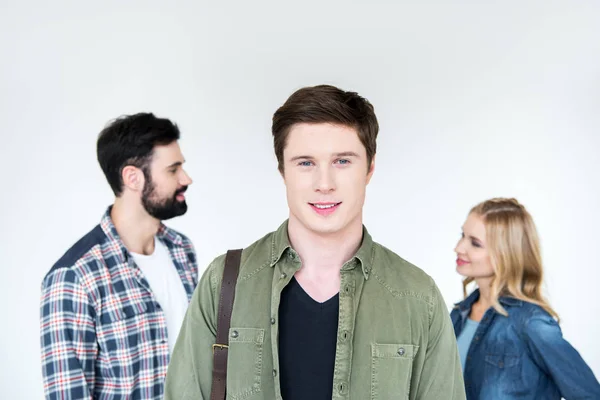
x: 324, y: 253
x: 135, y: 226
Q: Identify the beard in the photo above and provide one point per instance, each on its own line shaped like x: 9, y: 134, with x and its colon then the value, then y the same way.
x: 162, y: 208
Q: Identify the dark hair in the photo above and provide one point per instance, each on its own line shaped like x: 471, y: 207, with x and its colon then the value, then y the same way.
x: 326, y: 104
x: 130, y: 140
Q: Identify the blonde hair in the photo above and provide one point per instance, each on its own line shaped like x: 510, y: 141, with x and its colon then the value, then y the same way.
x: 514, y: 249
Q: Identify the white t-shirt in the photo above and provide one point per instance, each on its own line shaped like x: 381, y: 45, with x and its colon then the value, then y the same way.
x: 166, y: 285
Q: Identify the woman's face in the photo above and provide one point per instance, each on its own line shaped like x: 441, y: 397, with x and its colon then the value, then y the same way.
x: 473, y: 259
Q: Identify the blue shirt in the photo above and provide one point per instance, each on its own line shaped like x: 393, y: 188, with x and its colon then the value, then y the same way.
x: 465, y: 338
x: 522, y: 356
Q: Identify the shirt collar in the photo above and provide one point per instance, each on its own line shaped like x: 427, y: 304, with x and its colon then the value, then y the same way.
x: 467, y: 303
x: 164, y: 233
x: 364, y: 255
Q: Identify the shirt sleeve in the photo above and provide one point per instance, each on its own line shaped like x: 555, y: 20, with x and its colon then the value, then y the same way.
x: 441, y: 376
x: 559, y: 359
x: 67, y: 336
x: 189, y: 375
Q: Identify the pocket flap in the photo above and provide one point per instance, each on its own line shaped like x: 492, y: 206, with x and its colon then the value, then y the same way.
x: 246, y: 335
x: 502, y: 360
x: 124, y: 311
x: 399, y: 350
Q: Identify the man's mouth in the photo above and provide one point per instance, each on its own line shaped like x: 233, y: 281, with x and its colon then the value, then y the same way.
x: 325, y: 208
x: 179, y: 195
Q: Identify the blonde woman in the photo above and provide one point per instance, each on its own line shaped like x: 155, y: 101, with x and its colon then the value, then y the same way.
x: 509, y: 340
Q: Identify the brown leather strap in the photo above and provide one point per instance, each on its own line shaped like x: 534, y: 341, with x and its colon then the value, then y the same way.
x: 230, y: 274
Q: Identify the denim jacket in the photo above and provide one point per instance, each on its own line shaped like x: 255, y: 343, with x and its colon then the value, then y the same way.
x: 522, y: 356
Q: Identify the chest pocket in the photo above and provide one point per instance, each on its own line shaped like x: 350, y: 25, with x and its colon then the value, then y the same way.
x: 391, y: 370
x: 505, y: 371
x: 244, y: 363
x: 121, y: 326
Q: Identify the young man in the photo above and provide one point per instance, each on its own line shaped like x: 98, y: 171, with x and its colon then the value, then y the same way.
x: 112, y: 306
x: 322, y: 311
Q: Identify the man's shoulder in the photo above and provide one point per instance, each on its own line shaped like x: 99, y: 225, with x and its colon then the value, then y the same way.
x: 398, y: 273
x: 95, y: 237
x: 255, y: 257
x: 77, y: 258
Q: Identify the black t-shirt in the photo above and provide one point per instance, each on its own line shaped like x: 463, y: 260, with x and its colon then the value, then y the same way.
x: 307, y: 343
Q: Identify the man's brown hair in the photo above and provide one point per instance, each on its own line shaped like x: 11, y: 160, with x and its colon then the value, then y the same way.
x: 325, y: 104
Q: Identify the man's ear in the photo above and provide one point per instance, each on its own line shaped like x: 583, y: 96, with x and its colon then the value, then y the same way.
x: 371, y: 170
x: 133, y: 178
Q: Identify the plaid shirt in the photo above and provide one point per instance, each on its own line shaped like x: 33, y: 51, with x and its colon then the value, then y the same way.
x: 103, y: 334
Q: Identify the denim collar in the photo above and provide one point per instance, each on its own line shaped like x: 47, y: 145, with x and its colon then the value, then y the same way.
x: 467, y: 303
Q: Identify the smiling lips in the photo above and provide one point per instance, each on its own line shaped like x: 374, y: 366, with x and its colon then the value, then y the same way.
x: 325, y: 209
x: 460, y: 262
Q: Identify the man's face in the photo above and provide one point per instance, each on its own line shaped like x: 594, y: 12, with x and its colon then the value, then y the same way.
x: 165, y: 183
x: 326, y: 175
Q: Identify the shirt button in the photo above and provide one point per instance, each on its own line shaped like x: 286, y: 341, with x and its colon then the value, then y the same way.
x: 274, y: 373
x: 283, y: 276
x: 272, y: 321
x: 234, y: 334
x: 401, y: 351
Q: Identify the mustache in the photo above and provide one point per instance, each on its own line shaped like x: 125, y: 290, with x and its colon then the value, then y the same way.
x: 181, y: 190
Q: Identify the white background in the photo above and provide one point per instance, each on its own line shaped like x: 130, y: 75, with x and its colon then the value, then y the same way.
x: 474, y: 99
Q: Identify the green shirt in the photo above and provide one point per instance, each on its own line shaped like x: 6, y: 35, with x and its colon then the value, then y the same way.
x: 395, y: 337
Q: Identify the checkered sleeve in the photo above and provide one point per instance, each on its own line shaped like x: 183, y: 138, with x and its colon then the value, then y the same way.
x: 68, y: 338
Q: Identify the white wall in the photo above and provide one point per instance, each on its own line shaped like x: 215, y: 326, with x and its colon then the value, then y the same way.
x: 475, y: 100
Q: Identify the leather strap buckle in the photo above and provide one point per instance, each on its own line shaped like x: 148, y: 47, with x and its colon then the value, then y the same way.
x: 220, y: 346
